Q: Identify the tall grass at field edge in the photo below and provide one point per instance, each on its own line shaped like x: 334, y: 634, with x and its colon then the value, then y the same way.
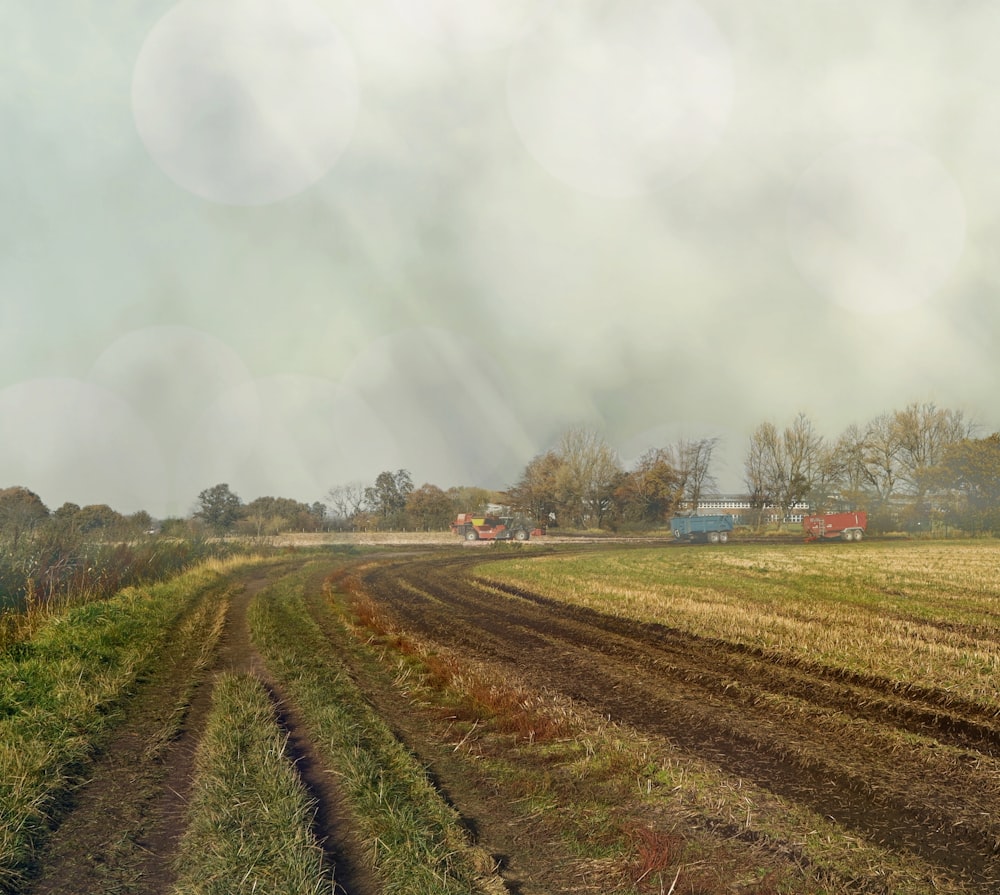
x: 59, y: 691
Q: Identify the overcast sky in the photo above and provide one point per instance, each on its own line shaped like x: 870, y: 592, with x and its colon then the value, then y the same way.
x: 288, y: 244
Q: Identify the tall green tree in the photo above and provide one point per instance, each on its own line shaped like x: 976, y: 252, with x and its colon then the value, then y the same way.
x: 970, y: 471
x: 429, y: 508
x: 21, y: 512
x: 650, y: 490
x: 386, y: 499
x: 219, y: 507
x: 535, y: 493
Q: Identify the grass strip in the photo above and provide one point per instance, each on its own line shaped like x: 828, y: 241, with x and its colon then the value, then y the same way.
x: 250, y: 817
x: 58, y: 694
x: 416, y: 843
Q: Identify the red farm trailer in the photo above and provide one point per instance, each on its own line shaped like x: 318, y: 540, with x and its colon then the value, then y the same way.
x: 839, y: 526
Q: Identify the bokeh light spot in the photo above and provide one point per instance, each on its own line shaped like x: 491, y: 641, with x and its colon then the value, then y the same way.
x: 621, y: 99
x: 245, y: 102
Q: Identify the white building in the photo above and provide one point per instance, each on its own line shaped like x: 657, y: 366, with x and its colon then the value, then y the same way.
x: 741, y: 509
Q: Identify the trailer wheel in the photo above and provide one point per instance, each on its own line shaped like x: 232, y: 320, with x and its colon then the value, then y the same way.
x: 713, y: 537
x: 723, y: 537
x: 521, y: 535
x: 472, y: 535
x: 858, y: 534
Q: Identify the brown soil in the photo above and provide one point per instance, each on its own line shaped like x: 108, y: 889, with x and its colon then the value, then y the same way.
x: 819, y: 737
x: 814, y: 736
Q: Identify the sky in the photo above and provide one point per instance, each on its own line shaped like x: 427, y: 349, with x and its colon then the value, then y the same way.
x: 289, y: 244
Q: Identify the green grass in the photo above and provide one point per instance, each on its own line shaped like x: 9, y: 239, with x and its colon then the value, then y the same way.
x: 250, y: 816
x: 416, y: 844
x: 59, y: 691
x: 915, y: 612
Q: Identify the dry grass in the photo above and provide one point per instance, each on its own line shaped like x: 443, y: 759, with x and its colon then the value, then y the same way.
x: 914, y: 612
x: 644, y: 817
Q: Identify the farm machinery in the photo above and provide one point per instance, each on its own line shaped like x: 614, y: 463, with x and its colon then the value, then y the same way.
x: 714, y: 529
x: 836, y: 526
x: 493, y: 528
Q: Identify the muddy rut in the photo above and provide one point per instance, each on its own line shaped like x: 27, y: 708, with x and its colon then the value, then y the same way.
x: 911, y: 769
x: 122, y: 830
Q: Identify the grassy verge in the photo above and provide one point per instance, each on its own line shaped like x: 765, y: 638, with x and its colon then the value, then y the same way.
x: 250, y: 817
x: 416, y: 844
x: 914, y: 612
x: 58, y: 695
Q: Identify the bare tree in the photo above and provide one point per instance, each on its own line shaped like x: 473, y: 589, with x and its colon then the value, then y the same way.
x: 924, y: 432
x: 756, y: 467
x: 346, y: 502
x: 880, y: 449
x: 781, y: 467
x: 803, y: 449
x: 849, y: 460
x: 692, y: 458
x: 585, y: 481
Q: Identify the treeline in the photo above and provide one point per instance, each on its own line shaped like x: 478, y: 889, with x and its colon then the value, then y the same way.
x: 390, y: 503
x: 917, y: 468
x: 582, y: 484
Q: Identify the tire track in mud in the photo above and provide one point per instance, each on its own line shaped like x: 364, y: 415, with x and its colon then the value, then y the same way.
x: 342, y: 849
x: 909, y: 768
x: 123, y: 831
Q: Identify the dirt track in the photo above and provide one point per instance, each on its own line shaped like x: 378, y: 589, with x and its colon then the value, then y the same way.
x: 122, y: 832
x: 824, y: 739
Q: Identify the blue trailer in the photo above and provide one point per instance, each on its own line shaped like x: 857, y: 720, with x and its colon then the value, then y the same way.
x: 714, y: 529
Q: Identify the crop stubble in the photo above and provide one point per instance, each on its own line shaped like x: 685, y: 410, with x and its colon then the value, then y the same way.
x: 913, y: 769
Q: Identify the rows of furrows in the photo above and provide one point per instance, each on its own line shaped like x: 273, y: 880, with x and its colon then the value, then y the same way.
x: 921, y: 710
x: 908, y: 769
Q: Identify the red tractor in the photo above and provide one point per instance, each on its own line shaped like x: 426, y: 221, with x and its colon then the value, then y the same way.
x: 492, y: 528
x: 840, y: 526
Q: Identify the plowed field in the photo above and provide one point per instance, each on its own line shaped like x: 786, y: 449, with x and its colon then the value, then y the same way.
x: 911, y: 769
x: 584, y: 750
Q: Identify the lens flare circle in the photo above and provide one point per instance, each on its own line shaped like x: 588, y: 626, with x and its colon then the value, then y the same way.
x: 624, y: 99
x: 245, y: 102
